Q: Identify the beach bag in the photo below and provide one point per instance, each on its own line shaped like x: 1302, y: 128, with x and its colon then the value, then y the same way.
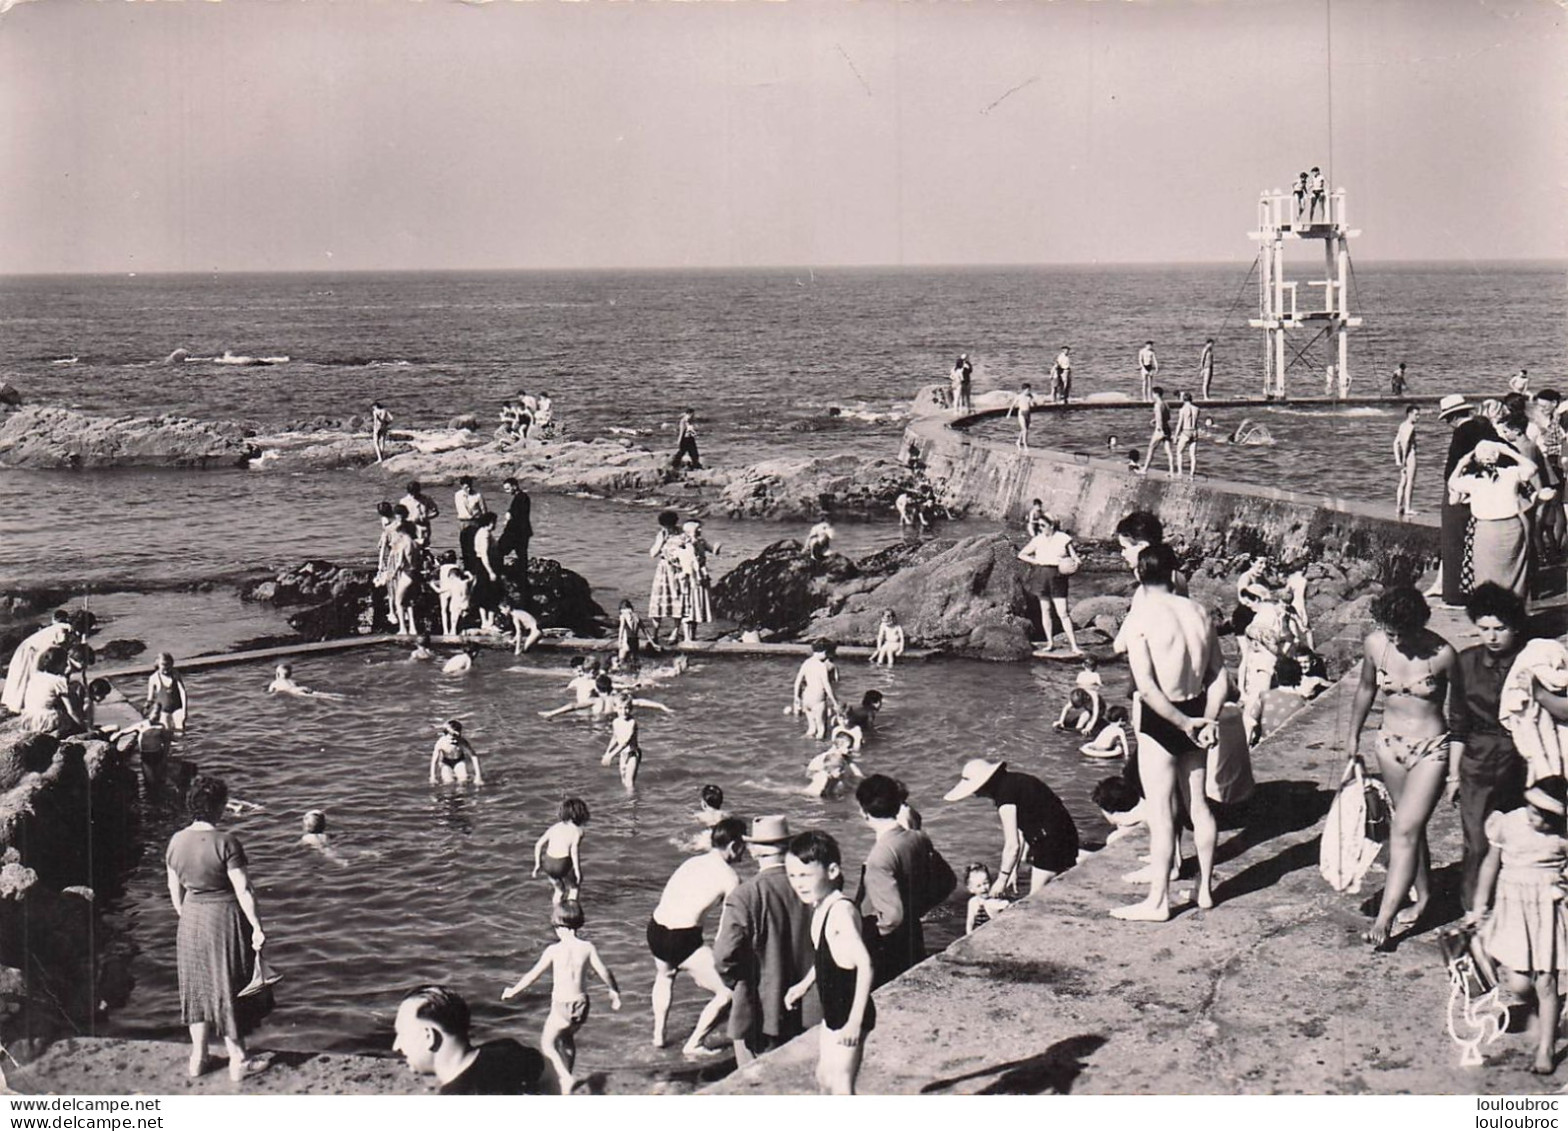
x: 1346, y: 852
x: 1229, y: 779
x: 1476, y: 1014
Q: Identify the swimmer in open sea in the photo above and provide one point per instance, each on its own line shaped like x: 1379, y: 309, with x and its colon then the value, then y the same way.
x: 283, y: 684
x: 313, y: 828
x: 557, y: 852
x: 449, y: 761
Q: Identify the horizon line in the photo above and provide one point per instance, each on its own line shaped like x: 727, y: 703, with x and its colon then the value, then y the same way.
x: 719, y: 268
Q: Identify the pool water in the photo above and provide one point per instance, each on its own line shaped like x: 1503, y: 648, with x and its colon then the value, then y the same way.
x: 436, y: 882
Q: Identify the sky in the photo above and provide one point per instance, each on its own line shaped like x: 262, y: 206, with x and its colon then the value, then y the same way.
x: 248, y: 135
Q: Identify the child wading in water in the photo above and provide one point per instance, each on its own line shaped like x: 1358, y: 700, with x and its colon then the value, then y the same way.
x: 450, y: 759
x: 568, y: 961
x: 982, y: 905
x: 890, y: 639
x: 631, y: 633
x: 624, y: 743
x: 556, y: 853
x: 830, y: 768
x: 1081, y: 711
x: 1526, y: 928
x: 842, y: 973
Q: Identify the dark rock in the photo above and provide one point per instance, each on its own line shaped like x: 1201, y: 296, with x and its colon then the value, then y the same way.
x: 23, y: 753
x: 779, y: 589
x: 1091, y: 609
x: 890, y: 559
x: 968, y: 599
x: 468, y: 422
x: 562, y: 598
x: 10, y: 395
x: 121, y: 649
x: 841, y: 486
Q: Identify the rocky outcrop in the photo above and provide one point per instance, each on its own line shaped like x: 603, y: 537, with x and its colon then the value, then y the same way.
x: 837, y: 486
x: 40, y: 436
x: 969, y: 599
x: 10, y: 396
x: 779, y: 590
x: 66, y: 824
x: 340, y: 601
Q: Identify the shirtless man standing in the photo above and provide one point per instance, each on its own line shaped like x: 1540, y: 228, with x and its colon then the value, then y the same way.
x: 1405, y: 459
x: 1062, y: 376
x: 814, y: 696
x: 1148, y: 366
x: 675, y: 930
x: 1174, y: 654
x: 1023, y: 405
x: 1187, y: 434
x: 1161, y: 433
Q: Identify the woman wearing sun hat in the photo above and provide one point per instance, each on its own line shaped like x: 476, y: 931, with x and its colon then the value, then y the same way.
x: 1037, y: 829
x: 1469, y: 430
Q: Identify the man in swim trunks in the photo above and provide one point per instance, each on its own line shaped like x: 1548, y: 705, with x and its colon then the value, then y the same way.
x: 1317, y: 184
x: 1148, y: 366
x: 675, y: 931
x: 1405, y: 460
x: 1161, y: 434
x: 1023, y: 406
x: 1174, y: 654
x: 1187, y: 434
x: 1062, y: 376
x: 380, y: 429
x: 1206, y: 367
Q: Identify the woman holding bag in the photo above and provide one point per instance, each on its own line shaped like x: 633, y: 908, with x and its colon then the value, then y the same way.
x: 1052, y: 558
x: 218, y: 958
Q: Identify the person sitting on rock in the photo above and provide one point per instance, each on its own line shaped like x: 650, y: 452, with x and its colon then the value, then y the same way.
x: 890, y: 639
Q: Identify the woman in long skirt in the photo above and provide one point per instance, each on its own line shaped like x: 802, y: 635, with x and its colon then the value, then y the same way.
x: 666, y: 599
x: 696, y: 599
x: 1499, y: 483
x: 220, y: 936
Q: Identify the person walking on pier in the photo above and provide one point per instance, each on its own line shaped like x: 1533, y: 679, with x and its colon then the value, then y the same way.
x: 1206, y: 368
x: 1405, y: 460
x: 1023, y: 405
x: 1062, y: 376
x: 1161, y: 435
x: 1148, y: 366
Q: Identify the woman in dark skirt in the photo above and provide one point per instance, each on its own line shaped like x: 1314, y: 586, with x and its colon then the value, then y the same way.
x: 220, y: 933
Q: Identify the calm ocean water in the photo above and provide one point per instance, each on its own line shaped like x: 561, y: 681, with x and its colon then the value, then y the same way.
x: 437, y: 887
x: 762, y: 354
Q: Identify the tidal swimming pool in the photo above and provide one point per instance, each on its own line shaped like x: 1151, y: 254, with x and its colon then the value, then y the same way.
x: 436, y: 884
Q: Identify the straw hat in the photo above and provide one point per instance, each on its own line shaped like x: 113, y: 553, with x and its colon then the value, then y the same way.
x: 975, y: 774
x: 768, y: 830
x: 1452, y: 403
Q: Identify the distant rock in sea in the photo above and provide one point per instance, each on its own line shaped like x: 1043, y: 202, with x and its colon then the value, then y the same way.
x: 41, y: 436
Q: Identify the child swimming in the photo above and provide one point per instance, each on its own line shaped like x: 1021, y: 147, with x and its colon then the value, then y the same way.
x: 283, y: 684
x: 568, y: 959
x: 450, y: 759
x: 313, y: 835
x: 421, y: 648
x: 461, y: 663
x: 1081, y: 712
x: 830, y: 769
x: 890, y: 639
x: 556, y: 852
x: 982, y: 906
x: 1116, y: 738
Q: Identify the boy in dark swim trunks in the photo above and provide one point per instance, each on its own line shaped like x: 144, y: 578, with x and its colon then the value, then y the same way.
x: 569, y: 960
x: 556, y: 853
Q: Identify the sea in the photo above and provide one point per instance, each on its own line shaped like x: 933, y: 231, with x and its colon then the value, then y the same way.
x: 434, y: 885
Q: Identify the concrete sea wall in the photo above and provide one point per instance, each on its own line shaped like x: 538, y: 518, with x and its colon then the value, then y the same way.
x: 993, y: 478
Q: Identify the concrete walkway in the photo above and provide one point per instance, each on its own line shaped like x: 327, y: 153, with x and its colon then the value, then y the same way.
x: 1272, y: 991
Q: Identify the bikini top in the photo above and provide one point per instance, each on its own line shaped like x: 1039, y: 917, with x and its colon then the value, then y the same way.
x: 1428, y: 686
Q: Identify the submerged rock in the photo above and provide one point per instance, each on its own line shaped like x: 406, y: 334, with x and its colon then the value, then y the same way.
x: 41, y: 436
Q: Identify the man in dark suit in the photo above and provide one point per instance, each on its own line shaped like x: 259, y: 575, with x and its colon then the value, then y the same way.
x: 763, y: 947
x: 904, y: 877
x: 514, y: 539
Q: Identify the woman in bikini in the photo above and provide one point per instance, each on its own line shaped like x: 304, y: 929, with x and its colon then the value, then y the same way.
x: 1409, y: 664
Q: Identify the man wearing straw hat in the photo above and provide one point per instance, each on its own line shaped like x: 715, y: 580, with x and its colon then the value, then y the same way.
x: 763, y: 947
x: 1469, y: 430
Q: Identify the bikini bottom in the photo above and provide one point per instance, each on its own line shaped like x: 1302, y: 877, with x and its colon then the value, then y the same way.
x: 1411, y: 752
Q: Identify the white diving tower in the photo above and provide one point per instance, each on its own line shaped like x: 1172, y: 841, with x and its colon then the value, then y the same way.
x: 1278, y: 309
